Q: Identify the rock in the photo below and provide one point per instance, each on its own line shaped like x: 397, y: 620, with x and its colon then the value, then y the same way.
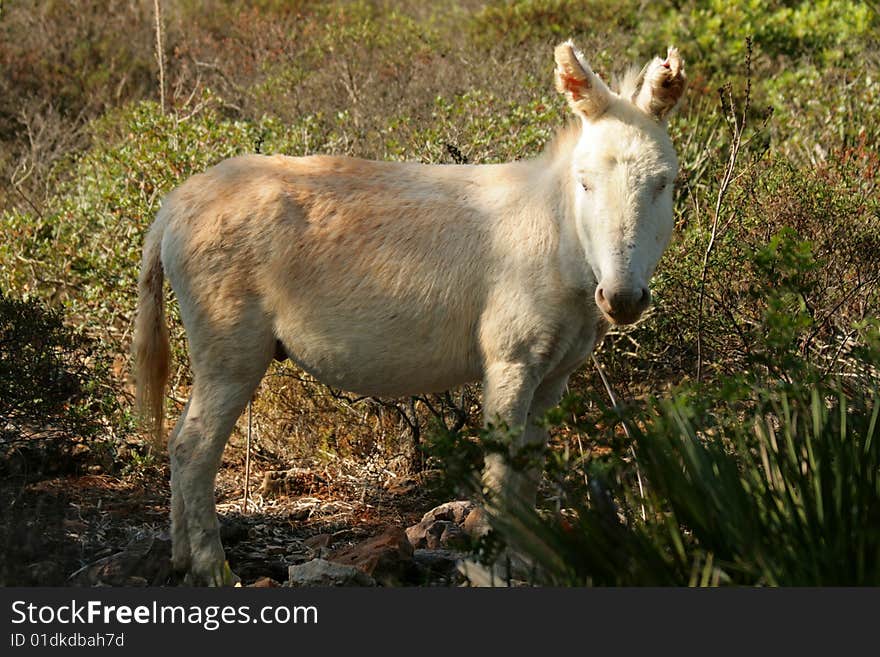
x: 320, y: 572
x: 258, y: 567
x: 476, y: 525
x: 436, y: 534
x: 434, y: 563
x: 401, y: 486
x: 318, y: 541
x: 385, y: 557
x: 512, y: 572
x: 144, y: 561
x: 455, y: 511
x: 264, y: 583
x: 294, y: 481
x: 478, y: 575
x: 444, y: 526
x: 234, y: 529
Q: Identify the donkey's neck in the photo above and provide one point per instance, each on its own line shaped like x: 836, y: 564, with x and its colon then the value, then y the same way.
x: 553, y: 190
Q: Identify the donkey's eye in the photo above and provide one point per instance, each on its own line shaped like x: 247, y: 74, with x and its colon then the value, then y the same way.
x: 661, y: 187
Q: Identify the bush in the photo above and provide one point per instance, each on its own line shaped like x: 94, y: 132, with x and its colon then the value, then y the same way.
x: 827, y: 32
x: 768, y: 475
x: 773, y: 484
x: 54, y: 386
x: 811, y: 230
x: 510, y: 24
x: 85, y: 251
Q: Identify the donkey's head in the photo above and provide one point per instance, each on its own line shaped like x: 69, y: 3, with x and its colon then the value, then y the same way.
x: 622, y: 172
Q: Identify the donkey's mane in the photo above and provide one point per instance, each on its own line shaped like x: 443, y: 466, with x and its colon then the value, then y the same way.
x: 627, y: 84
x: 563, y: 141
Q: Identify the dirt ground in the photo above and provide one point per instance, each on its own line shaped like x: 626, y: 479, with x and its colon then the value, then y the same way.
x: 85, y: 527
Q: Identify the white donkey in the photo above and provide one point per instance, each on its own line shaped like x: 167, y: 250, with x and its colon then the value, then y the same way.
x: 400, y: 278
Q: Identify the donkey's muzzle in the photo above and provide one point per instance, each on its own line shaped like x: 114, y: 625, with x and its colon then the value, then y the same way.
x: 623, y: 305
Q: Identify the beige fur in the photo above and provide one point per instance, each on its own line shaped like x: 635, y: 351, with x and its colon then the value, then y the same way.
x: 152, y: 354
x: 401, y: 278
x: 586, y: 93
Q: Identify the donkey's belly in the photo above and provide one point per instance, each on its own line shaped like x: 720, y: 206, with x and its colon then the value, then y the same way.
x: 377, y: 354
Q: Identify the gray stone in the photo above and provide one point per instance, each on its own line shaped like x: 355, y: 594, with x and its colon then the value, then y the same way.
x: 445, y: 526
x: 455, y: 511
x: 320, y: 572
x: 437, y: 560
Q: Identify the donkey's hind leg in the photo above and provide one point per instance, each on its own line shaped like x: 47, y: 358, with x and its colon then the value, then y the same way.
x: 224, y: 380
x: 180, y: 553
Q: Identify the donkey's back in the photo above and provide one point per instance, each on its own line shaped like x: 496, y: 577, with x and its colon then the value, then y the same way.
x: 373, y: 275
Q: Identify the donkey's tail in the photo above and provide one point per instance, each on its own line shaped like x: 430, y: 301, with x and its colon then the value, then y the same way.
x: 150, y: 346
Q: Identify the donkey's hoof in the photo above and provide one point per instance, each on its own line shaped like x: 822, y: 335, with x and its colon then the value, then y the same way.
x: 508, y: 570
x: 221, y: 575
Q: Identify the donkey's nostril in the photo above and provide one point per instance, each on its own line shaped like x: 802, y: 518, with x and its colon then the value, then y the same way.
x: 623, y: 305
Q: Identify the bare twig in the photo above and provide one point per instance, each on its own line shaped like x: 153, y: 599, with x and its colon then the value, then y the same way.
x: 632, y: 450
x: 27, y: 199
x: 160, y: 54
x: 737, y: 125
x: 819, y: 325
x: 247, y: 457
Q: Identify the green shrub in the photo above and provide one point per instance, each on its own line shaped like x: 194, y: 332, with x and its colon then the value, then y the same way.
x: 771, y: 485
x: 85, y: 250
x: 824, y: 113
x: 514, y: 23
x: 485, y: 128
x: 828, y: 31
x: 55, y: 390
x: 710, y: 308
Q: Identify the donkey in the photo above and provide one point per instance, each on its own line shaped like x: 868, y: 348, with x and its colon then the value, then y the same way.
x: 391, y: 278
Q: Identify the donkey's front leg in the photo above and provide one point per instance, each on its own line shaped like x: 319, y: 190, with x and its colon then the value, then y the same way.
x: 508, y: 390
x: 547, y: 395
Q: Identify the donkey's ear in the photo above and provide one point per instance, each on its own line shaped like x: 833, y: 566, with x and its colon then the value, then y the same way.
x: 663, y: 84
x: 586, y: 93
